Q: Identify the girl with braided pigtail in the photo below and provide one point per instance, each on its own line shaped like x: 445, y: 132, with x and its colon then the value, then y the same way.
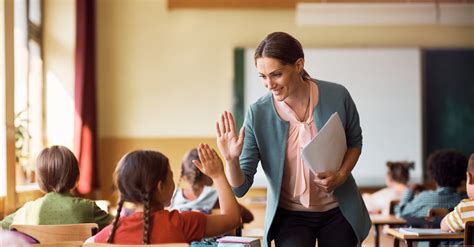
x: 145, y: 179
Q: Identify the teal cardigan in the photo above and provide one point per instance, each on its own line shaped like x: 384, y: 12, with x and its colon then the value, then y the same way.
x: 266, y: 135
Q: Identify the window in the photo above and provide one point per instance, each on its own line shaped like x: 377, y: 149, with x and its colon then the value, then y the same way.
x: 28, y: 97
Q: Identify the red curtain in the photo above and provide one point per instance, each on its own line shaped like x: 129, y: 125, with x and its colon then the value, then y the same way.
x: 85, y: 122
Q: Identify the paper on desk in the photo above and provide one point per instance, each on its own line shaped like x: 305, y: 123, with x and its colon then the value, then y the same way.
x: 422, y: 231
x: 326, y: 151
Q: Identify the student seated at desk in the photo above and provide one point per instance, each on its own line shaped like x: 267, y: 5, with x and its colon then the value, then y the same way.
x: 199, y: 195
x: 447, y: 168
x: 396, y: 180
x: 58, y: 171
x: 464, y: 211
x: 145, y: 179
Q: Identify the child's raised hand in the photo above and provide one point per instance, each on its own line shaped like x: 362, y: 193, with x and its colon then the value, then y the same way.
x: 209, y: 162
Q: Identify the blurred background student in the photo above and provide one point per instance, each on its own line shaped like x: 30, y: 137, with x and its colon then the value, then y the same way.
x: 198, y: 193
x: 396, y: 179
x: 448, y: 169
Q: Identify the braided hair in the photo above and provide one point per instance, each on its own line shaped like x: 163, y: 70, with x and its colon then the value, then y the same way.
x: 137, y: 176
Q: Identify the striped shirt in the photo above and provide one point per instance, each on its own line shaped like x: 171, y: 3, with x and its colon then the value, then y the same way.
x: 419, y: 205
x: 463, y: 212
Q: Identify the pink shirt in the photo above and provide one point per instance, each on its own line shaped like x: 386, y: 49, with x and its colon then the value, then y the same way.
x: 299, y: 191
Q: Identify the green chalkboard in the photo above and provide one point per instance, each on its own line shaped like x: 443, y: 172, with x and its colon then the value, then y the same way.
x: 448, y: 100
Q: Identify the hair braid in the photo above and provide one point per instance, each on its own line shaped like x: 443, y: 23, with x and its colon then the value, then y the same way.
x: 110, y: 239
x: 146, y: 217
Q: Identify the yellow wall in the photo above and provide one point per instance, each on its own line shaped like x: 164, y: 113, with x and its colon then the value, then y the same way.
x: 169, y: 73
x: 59, y: 24
x: 165, y: 76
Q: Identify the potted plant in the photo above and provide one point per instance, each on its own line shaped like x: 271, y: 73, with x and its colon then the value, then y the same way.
x: 22, y: 137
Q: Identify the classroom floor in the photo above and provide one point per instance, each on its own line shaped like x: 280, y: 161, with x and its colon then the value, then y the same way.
x: 385, y: 240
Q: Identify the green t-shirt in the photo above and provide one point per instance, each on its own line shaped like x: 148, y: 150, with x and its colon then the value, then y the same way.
x: 56, y: 209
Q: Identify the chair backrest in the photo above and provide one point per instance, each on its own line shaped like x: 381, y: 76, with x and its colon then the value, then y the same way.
x: 60, y: 244
x: 391, y: 206
x: 469, y: 234
x: 104, y: 205
x: 128, y: 245
x: 438, y: 212
x: 58, y: 233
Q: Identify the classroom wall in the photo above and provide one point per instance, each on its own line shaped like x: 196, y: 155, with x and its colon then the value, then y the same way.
x: 165, y: 76
x: 59, y: 25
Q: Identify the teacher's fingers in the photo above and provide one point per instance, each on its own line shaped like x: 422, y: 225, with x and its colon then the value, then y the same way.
x: 231, y: 122
x: 218, y: 130
x: 322, y: 175
x: 226, y: 122
x: 222, y: 123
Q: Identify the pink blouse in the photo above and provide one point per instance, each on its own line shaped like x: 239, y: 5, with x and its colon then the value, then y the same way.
x: 299, y: 191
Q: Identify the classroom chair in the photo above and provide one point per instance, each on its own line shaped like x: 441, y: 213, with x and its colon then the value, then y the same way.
x: 437, y: 212
x: 469, y: 234
x: 60, y: 244
x: 134, y: 245
x: 391, y: 206
x: 104, y: 205
x: 57, y: 233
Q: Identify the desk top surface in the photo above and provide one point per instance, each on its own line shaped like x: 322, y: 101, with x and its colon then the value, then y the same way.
x: 396, y: 233
x: 380, y: 219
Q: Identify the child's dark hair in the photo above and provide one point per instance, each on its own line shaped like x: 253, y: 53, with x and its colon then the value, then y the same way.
x: 189, y: 171
x: 281, y: 46
x: 447, y: 167
x: 470, y: 164
x: 57, y: 169
x: 137, y: 176
x: 399, y: 170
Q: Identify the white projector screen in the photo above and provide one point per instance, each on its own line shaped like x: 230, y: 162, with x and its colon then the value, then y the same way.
x: 385, y: 84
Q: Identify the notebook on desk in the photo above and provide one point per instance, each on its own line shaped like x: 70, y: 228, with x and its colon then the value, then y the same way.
x: 423, y: 231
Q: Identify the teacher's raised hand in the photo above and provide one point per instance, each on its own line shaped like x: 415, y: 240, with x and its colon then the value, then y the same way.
x: 229, y: 144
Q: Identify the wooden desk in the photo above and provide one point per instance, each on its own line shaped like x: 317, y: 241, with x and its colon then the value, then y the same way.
x: 379, y: 219
x: 409, y: 238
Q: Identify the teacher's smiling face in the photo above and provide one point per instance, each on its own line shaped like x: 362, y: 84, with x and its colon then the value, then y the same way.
x: 281, y: 80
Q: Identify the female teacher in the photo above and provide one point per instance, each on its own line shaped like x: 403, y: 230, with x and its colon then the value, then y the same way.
x: 302, y: 206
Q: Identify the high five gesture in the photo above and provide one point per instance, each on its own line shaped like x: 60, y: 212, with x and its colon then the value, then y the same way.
x: 228, y: 142
x: 230, y: 145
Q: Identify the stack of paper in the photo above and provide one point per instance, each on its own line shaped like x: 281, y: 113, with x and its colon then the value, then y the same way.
x: 422, y: 231
x: 230, y: 241
x: 326, y: 151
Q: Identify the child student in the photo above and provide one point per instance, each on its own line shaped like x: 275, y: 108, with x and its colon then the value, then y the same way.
x: 396, y: 180
x: 57, y: 172
x: 464, y: 211
x: 200, y: 195
x: 447, y: 168
x: 145, y: 179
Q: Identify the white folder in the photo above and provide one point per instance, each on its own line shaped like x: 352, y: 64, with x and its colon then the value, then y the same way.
x: 326, y: 151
